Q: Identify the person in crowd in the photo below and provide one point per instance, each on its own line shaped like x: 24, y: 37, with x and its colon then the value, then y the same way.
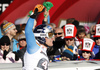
x: 76, y: 23
x: 22, y: 45
x: 20, y: 29
x: 7, y: 56
x: 86, y: 52
x: 35, y: 57
x: 59, y: 33
x: 52, y: 25
x: 70, y: 50
x: 96, y: 48
x: 22, y: 41
x: 9, y: 30
x: 70, y: 20
x: 46, y: 19
x: 56, y: 50
x: 23, y: 28
x: 81, y: 33
x: 92, y: 31
x: 73, y: 21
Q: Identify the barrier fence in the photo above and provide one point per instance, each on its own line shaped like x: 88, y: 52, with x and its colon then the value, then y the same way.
x: 62, y: 65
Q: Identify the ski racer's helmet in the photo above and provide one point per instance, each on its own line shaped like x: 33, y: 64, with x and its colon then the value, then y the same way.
x: 43, y: 31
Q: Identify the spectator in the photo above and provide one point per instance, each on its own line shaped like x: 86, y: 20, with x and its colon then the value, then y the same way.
x: 69, y: 48
x: 92, y: 31
x: 81, y: 33
x: 6, y: 56
x: 22, y: 41
x: 9, y: 30
x: 20, y: 30
x: 22, y: 45
x: 73, y: 21
x: 86, y: 51
x: 76, y: 23
x: 52, y: 25
x: 46, y: 19
x: 56, y: 50
x: 58, y: 33
x: 96, y: 48
x: 70, y: 20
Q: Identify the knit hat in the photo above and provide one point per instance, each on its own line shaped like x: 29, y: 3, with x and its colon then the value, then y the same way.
x: 69, y: 30
x: 21, y: 36
x: 8, y: 26
x: 87, y: 44
x: 5, y: 39
x: 69, y: 52
x: 97, y: 30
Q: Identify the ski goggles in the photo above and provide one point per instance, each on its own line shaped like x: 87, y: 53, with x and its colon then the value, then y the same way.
x: 47, y: 35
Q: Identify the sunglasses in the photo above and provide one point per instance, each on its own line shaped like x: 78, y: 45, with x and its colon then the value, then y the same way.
x: 93, y: 31
x: 5, y: 44
x: 57, y: 33
x: 97, y: 38
x: 71, y: 39
x: 86, y: 52
x: 22, y: 39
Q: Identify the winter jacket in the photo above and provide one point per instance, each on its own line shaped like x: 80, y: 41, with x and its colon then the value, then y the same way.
x: 10, y: 58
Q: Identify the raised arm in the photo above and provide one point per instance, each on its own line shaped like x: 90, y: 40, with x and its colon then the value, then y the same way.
x: 32, y: 47
x: 48, y: 6
x: 46, y: 19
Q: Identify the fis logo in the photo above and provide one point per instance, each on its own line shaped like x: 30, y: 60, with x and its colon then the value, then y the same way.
x: 69, y: 31
x: 98, y: 30
x: 87, y: 45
